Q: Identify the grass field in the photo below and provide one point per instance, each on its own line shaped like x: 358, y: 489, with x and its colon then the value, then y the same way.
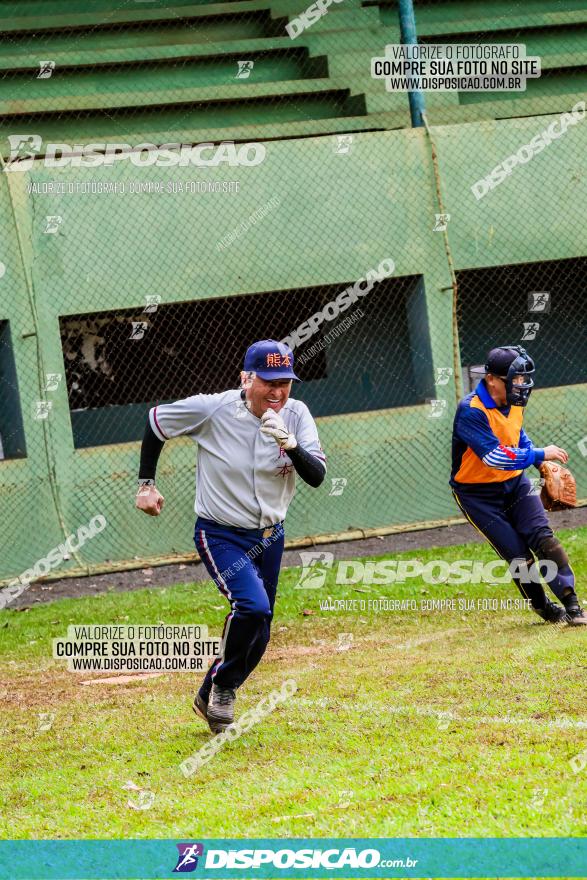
x: 431, y: 724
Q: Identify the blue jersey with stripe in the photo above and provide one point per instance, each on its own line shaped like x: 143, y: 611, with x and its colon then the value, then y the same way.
x: 489, y: 444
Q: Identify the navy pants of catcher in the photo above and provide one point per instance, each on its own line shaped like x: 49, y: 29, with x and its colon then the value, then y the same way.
x: 512, y: 518
x: 244, y: 565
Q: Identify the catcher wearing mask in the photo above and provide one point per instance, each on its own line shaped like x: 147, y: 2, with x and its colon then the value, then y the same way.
x: 490, y: 455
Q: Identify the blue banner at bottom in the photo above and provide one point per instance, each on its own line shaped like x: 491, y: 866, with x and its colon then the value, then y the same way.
x: 225, y: 859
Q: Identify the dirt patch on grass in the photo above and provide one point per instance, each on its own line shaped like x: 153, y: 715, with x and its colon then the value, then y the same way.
x: 56, y: 688
x: 292, y: 651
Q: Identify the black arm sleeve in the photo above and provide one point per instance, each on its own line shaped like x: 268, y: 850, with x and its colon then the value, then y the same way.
x: 310, y: 468
x: 150, y: 452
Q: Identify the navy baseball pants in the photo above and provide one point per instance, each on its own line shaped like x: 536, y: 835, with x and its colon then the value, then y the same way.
x: 514, y: 521
x: 244, y: 565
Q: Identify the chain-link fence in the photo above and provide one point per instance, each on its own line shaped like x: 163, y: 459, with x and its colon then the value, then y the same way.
x: 549, y: 321
x: 181, y: 179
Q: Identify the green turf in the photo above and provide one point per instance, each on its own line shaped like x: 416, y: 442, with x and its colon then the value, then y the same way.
x: 431, y: 724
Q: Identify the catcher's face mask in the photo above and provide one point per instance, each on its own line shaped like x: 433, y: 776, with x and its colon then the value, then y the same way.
x: 518, y: 381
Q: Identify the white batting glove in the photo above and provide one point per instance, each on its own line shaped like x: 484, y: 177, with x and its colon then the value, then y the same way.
x: 273, y: 425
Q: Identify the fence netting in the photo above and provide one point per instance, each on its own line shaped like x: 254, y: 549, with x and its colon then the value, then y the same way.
x: 181, y: 179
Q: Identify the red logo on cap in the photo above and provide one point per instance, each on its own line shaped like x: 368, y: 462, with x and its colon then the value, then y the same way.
x: 275, y: 359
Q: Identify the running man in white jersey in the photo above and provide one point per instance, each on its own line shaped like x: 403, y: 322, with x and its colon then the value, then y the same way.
x: 251, y: 443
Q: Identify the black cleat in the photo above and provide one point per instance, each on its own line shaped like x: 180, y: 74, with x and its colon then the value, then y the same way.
x: 200, y: 706
x: 221, y: 708
x: 575, y: 616
x: 552, y: 613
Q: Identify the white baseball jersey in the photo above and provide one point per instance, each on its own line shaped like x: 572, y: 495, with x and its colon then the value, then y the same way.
x: 243, y: 477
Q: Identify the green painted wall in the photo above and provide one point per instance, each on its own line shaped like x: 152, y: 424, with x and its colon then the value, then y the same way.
x: 338, y: 216
x: 167, y: 73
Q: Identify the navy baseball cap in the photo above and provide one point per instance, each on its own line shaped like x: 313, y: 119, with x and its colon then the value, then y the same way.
x: 270, y: 359
x: 499, y: 360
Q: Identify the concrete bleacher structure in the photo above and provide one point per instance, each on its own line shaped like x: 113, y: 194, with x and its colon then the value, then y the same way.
x: 165, y: 71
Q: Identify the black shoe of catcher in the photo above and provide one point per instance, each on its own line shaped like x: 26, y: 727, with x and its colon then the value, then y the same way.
x: 221, y: 708
x: 552, y: 612
x: 575, y: 616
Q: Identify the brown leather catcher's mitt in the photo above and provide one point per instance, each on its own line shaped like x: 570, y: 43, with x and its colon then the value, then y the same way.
x: 560, y: 489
